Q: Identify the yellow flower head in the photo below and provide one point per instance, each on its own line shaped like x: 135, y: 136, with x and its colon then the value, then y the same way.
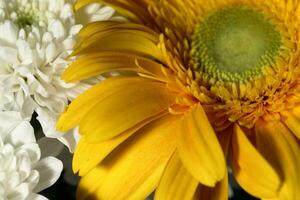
x: 201, y: 82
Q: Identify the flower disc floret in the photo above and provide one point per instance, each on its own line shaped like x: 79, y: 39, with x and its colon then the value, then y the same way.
x: 234, y: 44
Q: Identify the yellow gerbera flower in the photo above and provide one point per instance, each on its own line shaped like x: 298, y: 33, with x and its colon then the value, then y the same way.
x: 205, y: 82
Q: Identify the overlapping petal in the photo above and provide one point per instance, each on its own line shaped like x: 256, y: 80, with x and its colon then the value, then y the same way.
x: 176, y: 183
x: 251, y: 169
x: 218, y: 192
x: 127, y: 101
x: 199, y: 148
x: 98, y: 63
x: 89, y: 155
x: 134, y: 169
x: 292, y: 121
x: 121, y: 37
x: 281, y: 149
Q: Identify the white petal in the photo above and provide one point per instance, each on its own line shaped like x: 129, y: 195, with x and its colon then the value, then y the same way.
x: 9, y: 55
x: 14, y: 180
x: 93, y: 12
x: 24, y: 165
x: 25, y: 52
x: 75, y: 90
x: 28, y: 108
x: 36, y: 197
x: 33, y: 179
x: 20, y: 192
x: 69, y: 43
x: 2, y: 190
x: 48, y: 123
x: 56, y: 5
x: 8, y: 32
x: 1, y: 141
x: 32, y: 39
x: 37, y: 33
x: 47, y: 37
x: 70, y: 139
x: 7, y: 157
x: 24, y: 70
x: 50, y: 169
x: 104, y: 13
x: 22, y: 34
x: 22, y: 134
x: 67, y: 13
x: 9, y: 120
x: 33, y: 151
x: 52, y: 51
x: 75, y: 29
x: 57, y: 29
x: 50, y: 103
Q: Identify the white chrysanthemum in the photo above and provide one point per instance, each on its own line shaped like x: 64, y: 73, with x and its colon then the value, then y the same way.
x: 36, y: 36
x: 23, y: 170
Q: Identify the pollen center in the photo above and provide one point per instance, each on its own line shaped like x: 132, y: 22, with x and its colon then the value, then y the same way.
x: 234, y: 44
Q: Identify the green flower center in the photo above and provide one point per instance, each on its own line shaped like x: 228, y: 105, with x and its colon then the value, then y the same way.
x: 234, y: 44
x: 26, y: 18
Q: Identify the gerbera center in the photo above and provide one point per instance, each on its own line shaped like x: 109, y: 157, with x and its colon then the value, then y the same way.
x: 234, y: 44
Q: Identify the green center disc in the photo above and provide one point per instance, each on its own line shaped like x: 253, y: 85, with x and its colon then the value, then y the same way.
x: 27, y: 17
x: 234, y: 44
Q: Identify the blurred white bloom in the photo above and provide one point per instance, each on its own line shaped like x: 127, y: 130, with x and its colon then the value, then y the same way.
x: 36, y: 36
x: 23, y: 171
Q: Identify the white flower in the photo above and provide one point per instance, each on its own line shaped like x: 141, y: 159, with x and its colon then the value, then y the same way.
x: 23, y: 172
x: 36, y: 36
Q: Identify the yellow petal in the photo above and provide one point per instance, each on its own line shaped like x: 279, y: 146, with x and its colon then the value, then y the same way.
x: 124, y: 109
x: 117, y: 38
x: 134, y: 169
x: 118, y: 28
x: 292, y: 120
x: 89, y: 184
x: 199, y: 148
x: 152, y: 69
x: 106, y: 26
x: 219, y: 192
x: 176, y: 183
x: 251, y: 169
x: 87, y: 100
x: 281, y: 149
x: 88, y: 155
x: 94, y: 64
